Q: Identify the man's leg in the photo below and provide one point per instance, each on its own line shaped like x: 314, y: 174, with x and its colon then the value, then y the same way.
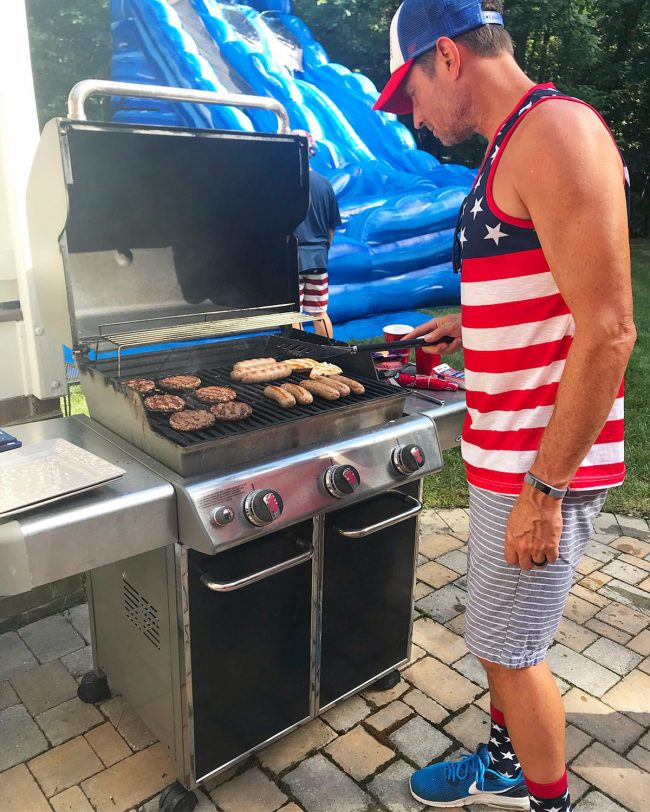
x: 511, y: 619
x: 323, y: 325
x: 532, y: 705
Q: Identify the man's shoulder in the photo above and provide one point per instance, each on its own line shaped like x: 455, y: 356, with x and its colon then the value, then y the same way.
x: 564, y: 129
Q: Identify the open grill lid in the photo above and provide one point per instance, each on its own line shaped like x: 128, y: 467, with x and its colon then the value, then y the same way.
x: 143, y: 234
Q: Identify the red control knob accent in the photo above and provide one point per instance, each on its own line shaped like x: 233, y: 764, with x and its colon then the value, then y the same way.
x: 408, y: 459
x: 263, y: 507
x: 341, y: 480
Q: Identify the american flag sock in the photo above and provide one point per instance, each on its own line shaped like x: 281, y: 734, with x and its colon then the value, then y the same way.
x: 502, y: 754
x: 549, y: 797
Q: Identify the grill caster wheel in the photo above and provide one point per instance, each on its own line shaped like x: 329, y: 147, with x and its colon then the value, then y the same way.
x: 177, y: 799
x: 387, y: 682
x: 93, y: 689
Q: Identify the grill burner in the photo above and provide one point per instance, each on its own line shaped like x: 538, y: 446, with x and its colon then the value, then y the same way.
x: 265, y: 411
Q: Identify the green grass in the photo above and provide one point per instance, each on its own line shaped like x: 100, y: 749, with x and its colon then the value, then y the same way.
x: 449, y: 488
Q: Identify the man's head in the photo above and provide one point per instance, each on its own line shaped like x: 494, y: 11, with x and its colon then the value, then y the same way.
x: 311, y: 141
x: 429, y: 40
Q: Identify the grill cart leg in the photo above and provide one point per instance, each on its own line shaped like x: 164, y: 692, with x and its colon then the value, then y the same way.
x: 177, y: 799
x: 387, y: 682
x: 93, y: 688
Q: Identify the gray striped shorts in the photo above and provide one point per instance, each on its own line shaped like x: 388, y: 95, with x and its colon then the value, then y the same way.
x: 512, y: 615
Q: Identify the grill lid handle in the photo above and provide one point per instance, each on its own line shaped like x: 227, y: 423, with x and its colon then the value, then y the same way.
x: 82, y: 91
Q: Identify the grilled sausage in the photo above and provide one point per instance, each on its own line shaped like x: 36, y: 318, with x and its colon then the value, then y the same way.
x: 321, y: 389
x: 343, y: 388
x: 302, y: 396
x: 280, y: 396
x: 263, y: 374
x: 254, y: 362
x: 355, y: 387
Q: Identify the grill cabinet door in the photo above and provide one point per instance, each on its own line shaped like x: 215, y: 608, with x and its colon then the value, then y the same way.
x: 250, y: 647
x: 367, y: 595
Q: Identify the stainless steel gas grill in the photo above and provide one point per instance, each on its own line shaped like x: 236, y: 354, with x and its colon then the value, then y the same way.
x: 277, y: 577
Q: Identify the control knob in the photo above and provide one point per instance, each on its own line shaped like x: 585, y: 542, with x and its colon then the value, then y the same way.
x: 408, y: 459
x: 222, y: 516
x: 263, y: 507
x: 342, y: 480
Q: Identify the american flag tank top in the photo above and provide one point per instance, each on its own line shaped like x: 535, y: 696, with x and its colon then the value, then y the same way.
x: 517, y: 331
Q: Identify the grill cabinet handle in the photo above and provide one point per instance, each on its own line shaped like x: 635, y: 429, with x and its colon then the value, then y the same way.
x: 416, y: 507
x: 82, y: 91
x: 218, y: 586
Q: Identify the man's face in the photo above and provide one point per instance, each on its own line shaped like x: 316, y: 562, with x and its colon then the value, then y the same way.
x: 439, y: 104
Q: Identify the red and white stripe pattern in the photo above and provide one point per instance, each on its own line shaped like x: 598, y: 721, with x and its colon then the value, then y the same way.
x: 517, y: 332
x: 314, y: 292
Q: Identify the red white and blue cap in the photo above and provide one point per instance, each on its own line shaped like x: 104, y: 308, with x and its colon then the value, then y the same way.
x: 415, y: 29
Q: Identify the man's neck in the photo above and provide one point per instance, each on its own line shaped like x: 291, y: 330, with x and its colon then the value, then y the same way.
x: 500, y: 84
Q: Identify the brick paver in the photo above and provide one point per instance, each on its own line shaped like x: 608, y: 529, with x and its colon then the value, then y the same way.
x: 65, y: 766
x: 43, y: 687
x: 51, y: 638
x: 58, y: 754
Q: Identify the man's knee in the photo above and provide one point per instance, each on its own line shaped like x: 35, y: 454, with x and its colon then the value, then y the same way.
x: 498, y: 672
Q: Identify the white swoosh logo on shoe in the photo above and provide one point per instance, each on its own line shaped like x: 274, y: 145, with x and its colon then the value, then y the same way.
x: 474, y: 790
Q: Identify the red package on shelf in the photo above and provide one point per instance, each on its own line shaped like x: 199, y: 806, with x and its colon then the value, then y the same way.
x: 426, y: 382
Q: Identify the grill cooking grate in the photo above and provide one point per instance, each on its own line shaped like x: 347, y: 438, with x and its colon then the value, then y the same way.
x: 265, y: 412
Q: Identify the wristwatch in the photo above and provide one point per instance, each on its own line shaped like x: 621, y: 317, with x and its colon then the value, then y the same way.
x: 549, y: 490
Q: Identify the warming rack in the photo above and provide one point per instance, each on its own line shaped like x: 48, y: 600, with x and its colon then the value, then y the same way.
x: 193, y: 331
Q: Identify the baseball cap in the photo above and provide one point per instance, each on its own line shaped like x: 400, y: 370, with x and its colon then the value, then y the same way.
x: 415, y: 29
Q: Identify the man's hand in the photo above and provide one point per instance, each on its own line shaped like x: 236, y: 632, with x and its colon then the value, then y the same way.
x: 435, y: 329
x: 534, y: 529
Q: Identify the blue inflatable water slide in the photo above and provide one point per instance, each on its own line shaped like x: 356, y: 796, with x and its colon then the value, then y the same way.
x: 398, y: 204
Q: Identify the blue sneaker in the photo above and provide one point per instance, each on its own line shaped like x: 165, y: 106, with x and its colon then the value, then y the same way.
x: 469, y: 781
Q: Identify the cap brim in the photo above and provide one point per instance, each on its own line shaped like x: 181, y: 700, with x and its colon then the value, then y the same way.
x: 393, y: 97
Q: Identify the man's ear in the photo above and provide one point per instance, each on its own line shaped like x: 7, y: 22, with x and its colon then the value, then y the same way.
x: 449, y: 56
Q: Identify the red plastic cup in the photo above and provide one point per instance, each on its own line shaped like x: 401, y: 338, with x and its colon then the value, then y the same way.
x: 396, y: 332
x: 425, y: 361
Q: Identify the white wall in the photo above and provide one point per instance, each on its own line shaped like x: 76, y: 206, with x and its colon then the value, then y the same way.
x: 23, y: 372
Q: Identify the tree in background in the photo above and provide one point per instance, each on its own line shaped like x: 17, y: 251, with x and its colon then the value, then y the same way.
x: 598, y: 50
x: 69, y: 40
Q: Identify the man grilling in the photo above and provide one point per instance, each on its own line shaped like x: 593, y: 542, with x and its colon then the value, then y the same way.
x: 315, y: 235
x: 547, y: 330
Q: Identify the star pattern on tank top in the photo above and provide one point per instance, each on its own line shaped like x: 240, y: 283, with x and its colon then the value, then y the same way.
x: 494, y: 233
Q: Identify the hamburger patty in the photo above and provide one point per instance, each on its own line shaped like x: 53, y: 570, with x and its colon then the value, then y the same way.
x: 215, y: 394
x: 141, y: 385
x: 179, y: 383
x: 191, y: 420
x: 164, y: 403
x: 235, y: 410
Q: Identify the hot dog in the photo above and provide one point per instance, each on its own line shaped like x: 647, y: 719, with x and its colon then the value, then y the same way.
x: 356, y: 387
x: 343, y: 388
x: 302, y: 396
x: 254, y: 362
x: 273, y: 372
x: 321, y: 389
x: 280, y: 396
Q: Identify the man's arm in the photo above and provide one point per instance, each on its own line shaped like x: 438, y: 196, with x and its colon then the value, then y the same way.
x: 569, y: 176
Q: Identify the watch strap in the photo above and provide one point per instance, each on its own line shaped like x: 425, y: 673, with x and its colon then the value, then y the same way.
x: 544, y: 487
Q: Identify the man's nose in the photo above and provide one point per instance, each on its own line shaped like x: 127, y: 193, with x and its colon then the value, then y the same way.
x: 418, y: 120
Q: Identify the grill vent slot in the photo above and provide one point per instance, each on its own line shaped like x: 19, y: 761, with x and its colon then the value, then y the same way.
x: 142, y: 614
